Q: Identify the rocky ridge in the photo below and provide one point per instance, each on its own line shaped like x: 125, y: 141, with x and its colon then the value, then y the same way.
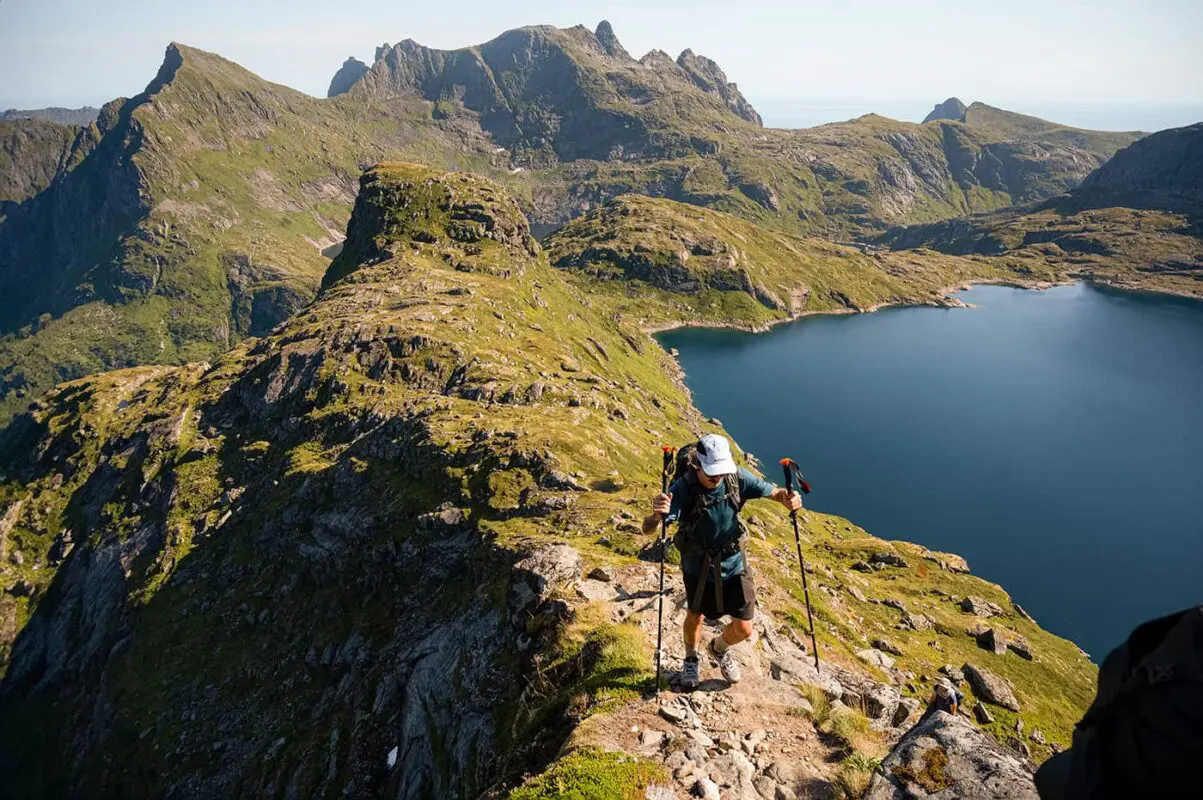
x: 1133, y: 223
x: 367, y: 554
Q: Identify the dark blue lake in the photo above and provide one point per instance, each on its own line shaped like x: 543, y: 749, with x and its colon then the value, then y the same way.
x: 1054, y: 439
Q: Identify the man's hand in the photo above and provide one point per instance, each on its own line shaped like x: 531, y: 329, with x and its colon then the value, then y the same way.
x: 791, y: 500
x: 661, y: 505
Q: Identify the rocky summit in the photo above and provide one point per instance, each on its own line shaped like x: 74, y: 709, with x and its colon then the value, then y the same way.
x: 391, y: 549
x: 952, y: 108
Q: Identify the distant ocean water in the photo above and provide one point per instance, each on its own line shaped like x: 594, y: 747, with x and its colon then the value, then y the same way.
x: 1094, y: 116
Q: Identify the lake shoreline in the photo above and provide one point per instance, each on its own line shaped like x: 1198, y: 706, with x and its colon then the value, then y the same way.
x: 946, y: 301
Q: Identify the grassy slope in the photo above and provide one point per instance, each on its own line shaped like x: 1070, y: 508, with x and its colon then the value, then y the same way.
x: 502, y: 320
x: 667, y: 263
x: 1144, y: 250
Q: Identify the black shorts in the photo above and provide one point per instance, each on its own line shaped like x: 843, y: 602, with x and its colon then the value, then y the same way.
x: 739, y: 596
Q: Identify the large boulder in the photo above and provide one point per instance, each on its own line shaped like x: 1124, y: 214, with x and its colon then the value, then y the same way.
x: 991, y: 688
x: 947, y: 757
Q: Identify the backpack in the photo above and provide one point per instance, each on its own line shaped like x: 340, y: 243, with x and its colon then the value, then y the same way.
x: 1143, y: 734
x: 686, y: 467
x: 686, y: 540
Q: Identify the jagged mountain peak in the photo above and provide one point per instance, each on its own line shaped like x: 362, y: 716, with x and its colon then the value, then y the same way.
x: 952, y: 108
x: 350, y: 72
x: 609, y: 41
x: 560, y: 94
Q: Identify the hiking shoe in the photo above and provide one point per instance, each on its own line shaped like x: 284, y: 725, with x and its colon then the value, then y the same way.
x: 732, y: 673
x: 690, y: 672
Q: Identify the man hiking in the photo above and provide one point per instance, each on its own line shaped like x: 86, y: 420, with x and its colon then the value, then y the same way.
x: 705, y: 500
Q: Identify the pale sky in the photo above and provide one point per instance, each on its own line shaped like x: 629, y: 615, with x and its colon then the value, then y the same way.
x: 1119, y: 64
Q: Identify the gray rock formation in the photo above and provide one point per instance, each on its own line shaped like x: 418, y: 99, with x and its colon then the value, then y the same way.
x: 347, y: 76
x: 952, y: 109
x: 947, y: 757
x: 990, y: 687
x: 609, y: 41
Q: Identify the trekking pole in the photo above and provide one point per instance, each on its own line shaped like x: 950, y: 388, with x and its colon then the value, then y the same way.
x: 665, y: 472
x: 790, y: 467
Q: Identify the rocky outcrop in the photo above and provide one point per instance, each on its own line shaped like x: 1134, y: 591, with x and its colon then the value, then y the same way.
x: 567, y: 94
x: 952, y: 109
x: 990, y: 687
x: 32, y: 154
x: 347, y: 76
x: 947, y: 757
x: 1161, y: 171
x: 708, y: 76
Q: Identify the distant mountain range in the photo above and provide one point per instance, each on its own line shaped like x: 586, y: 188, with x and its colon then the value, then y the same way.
x: 205, y: 209
x: 63, y: 116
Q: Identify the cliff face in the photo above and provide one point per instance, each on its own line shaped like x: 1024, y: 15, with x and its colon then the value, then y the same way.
x: 1133, y: 222
x: 184, y: 219
x: 552, y: 94
x: 388, y: 550
x: 32, y: 153
x: 351, y: 71
x: 1161, y: 171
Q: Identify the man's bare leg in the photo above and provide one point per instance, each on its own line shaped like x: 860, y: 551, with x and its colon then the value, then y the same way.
x: 691, y: 632
x: 737, y: 630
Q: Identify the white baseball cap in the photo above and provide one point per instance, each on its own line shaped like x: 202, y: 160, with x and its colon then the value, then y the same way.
x: 714, y: 455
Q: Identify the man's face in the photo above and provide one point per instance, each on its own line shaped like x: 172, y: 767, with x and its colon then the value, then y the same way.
x: 707, y: 481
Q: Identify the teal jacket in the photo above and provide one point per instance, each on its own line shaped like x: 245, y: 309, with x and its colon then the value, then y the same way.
x: 718, y: 525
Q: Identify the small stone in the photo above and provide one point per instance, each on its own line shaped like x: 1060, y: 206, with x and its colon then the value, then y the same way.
x: 953, y: 674
x: 888, y: 559
x: 676, y: 759
x: 595, y: 590
x: 1038, y: 737
x: 876, y: 658
x: 673, y: 714
x: 651, y: 738
x: 980, y: 608
x: 993, y: 641
x: 700, y: 737
x: 15, y: 558
x: 892, y: 603
x: 983, y: 714
x: 886, y: 646
x: 706, y: 789
x: 857, y: 594
x: 659, y: 793
x: 1020, y: 647
x: 917, y: 622
x: 570, y: 365
x: 862, y: 566
x: 602, y: 574
x: 1019, y: 610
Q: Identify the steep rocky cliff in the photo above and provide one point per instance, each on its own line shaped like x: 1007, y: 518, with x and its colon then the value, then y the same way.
x: 1134, y: 222
x: 32, y: 153
x: 388, y: 550
x: 184, y: 219
x: 551, y: 94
